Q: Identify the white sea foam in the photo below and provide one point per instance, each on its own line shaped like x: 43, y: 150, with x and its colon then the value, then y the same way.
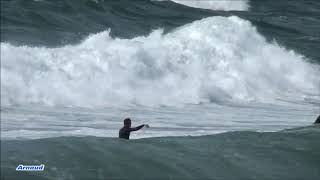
x: 216, y: 59
x: 226, y: 5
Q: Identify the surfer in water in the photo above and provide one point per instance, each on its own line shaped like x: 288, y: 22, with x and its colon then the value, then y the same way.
x: 124, y: 132
x: 317, y: 120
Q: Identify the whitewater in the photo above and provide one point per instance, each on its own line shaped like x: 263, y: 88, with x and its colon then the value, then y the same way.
x: 217, y: 59
x: 226, y: 5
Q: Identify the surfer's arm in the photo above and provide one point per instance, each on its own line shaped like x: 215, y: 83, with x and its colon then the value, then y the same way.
x: 137, y: 128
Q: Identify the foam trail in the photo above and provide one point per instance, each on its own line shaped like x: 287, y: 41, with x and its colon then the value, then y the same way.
x: 225, y: 5
x: 215, y: 59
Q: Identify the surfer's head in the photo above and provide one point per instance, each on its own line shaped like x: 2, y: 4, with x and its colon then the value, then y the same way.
x: 127, y: 122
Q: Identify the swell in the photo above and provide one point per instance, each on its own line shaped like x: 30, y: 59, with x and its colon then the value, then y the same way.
x: 51, y: 23
x: 58, y: 22
x: 292, y: 23
x: 244, y: 155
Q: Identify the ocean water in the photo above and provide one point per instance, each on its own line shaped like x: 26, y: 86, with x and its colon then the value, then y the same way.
x: 217, y: 81
x: 291, y: 154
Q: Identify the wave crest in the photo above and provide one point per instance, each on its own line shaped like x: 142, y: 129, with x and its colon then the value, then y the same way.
x: 225, y: 5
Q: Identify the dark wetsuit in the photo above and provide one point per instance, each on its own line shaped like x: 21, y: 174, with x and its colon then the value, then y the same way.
x: 318, y: 120
x: 125, y: 132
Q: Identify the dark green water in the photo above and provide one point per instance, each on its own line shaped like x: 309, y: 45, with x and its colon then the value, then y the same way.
x: 290, y: 154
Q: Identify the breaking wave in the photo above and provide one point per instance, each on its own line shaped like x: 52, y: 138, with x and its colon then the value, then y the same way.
x: 216, y: 59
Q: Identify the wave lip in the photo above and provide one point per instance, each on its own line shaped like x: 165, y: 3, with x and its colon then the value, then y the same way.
x: 225, y: 5
x: 215, y: 59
